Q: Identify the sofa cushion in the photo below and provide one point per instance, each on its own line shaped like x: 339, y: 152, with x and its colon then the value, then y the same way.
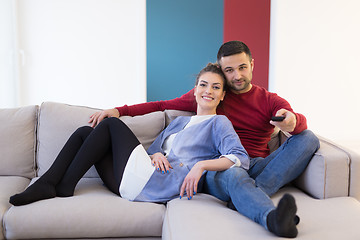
x: 93, y: 212
x: 17, y: 141
x: 58, y: 121
x: 146, y: 127
x: 170, y: 115
x: 9, y: 185
x: 205, y: 217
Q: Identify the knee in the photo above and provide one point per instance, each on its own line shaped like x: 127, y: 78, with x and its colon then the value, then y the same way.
x: 111, y: 121
x: 108, y: 122
x: 226, y: 176
x: 237, y: 176
x: 84, y: 131
x: 311, y: 139
x: 236, y: 173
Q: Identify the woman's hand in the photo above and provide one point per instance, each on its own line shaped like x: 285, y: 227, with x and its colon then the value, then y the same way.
x: 160, y: 162
x: 97, y: 117
x: 191, y: 181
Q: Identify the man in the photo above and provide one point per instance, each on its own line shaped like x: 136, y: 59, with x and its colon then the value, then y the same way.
x: 250, y: 109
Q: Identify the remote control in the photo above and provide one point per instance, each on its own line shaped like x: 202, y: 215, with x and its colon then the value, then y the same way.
x: 277, y: 118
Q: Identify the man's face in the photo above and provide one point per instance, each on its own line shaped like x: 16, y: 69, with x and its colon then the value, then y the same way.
x: 238, y: 72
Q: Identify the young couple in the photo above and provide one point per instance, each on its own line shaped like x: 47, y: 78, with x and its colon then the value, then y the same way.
x: 246, y: 183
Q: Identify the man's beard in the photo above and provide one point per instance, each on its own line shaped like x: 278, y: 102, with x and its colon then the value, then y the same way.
x: 243, y: 86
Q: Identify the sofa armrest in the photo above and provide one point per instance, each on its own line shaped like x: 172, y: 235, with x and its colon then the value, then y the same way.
x: 354, y: 168
x: 332, y: 172
x: 354, y: 190
x: 17, y: 141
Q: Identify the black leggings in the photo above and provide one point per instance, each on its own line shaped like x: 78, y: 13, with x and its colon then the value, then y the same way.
x: 108, y: 147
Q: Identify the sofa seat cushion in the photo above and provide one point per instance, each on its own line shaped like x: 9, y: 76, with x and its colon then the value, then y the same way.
x: 9, y: 185
x: 93, y: 212
x: 206, y: 217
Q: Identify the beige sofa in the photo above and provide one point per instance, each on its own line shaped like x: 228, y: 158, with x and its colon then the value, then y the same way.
x: 327, y: 194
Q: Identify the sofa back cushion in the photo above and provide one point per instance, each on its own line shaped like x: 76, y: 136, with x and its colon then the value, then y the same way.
x: 17, y: 141
x: 58, y: 121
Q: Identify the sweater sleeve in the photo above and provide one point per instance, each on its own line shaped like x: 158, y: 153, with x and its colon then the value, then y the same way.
x: 301, y: 124
x: 186, y: 102
x: 229, y: 143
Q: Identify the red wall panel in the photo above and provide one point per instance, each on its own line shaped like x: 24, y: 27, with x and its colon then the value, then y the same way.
x: 249, y: 21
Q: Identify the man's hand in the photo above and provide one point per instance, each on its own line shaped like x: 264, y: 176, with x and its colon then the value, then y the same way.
x: 97, y: 117
x: 288, y: 124
x: 160, y: 162
x: 191, y: 181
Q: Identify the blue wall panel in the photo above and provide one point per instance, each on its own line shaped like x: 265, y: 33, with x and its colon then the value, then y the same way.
x: 182, y: 37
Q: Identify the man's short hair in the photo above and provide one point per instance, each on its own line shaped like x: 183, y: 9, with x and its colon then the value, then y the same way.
x: 232, y: 48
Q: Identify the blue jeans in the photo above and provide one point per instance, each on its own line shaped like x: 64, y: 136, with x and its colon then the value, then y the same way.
x: 250, y: 190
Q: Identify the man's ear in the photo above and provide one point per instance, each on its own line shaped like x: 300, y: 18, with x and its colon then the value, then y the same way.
x: 252, y: 64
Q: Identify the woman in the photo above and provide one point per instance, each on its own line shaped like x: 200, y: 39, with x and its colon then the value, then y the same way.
x: 173, y: 165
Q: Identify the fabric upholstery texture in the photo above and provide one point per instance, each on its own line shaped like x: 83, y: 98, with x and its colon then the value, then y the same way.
x: 17, y: 142
x: 92, y: 212
x: 327, y: 175
x: 8, y: 186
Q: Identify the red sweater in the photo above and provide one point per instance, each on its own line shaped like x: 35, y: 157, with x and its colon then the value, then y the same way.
x: 249, y: 113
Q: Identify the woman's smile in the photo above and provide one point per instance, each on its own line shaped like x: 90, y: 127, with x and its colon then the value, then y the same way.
x: 208, y: 98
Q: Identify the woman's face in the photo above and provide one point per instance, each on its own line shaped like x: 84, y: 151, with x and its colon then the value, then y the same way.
x: 209, y: 92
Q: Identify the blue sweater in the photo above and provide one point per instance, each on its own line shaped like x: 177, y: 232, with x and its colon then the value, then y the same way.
x: 209, y: 139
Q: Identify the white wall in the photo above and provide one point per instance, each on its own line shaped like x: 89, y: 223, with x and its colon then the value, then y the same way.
x: 7, y: 55
x: 84, y: 52
x: 314, y: 62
